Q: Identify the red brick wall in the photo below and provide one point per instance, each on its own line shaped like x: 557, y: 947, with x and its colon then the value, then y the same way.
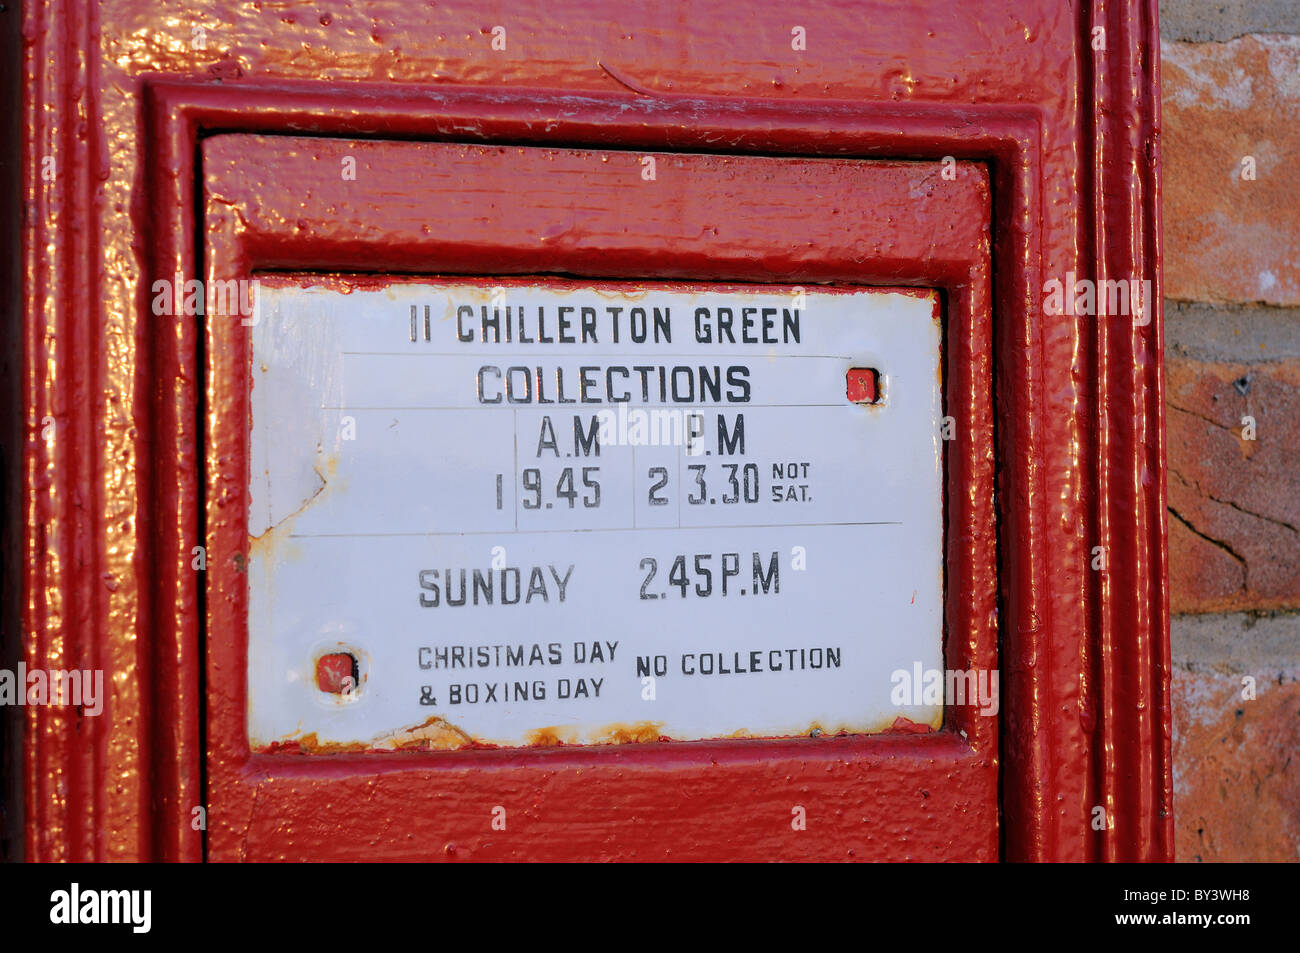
x: 1231, y: 150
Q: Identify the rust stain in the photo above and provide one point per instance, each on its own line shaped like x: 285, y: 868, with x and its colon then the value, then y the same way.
x: 631, y: 293
x: 617, y: 733
x: 550, y: 737
x: 437, y: 734
x: 433, y: 734
x: 815, y: 729
x: 310, y: 744
x: 637, y: 732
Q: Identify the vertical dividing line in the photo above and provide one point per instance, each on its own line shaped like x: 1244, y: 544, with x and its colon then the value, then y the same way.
x: 514, y: 476
x: 679, y: 487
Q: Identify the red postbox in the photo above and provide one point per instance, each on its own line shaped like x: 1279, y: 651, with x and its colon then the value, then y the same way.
x: 338, y: 333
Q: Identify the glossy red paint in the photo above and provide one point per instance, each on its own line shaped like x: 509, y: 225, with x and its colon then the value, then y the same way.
x: 273, y: 204
x: 145, y: 465
x: 860, y: 386
x: 336, y: 672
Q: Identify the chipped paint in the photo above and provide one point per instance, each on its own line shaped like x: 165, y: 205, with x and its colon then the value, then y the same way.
x: 437, y: 734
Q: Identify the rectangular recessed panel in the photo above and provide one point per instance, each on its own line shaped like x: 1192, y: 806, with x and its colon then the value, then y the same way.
x: 529, y: 513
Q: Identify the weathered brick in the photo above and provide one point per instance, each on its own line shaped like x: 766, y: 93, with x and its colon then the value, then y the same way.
x: 1246, y: 333
x: 1236, y: 771
x: 1234, y: 503
x: 1201, y: 20
x: 1235, y: 764
x: 1226, y: 239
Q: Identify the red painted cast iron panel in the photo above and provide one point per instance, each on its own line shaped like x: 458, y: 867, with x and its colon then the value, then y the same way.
x: 273, y: 204
x: 138, y: 121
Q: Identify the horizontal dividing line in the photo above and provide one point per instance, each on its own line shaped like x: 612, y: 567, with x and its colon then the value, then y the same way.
x: 615, y: 529
x: 596, y: 408
x: 553, y: 354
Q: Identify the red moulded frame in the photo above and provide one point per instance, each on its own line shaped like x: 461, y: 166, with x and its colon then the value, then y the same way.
x: 112, y: 508
x: 275, y: 203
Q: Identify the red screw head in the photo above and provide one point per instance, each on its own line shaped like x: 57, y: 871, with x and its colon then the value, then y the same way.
x: 336, y: 673
x: 860, y: 385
